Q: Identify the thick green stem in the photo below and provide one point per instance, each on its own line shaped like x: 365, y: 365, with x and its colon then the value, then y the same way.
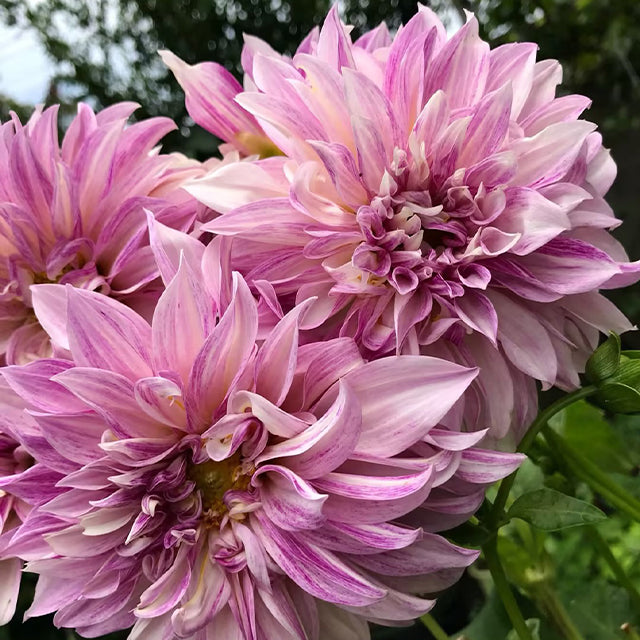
x: 506, y: 485
x: 585, y: 470
x: 503, y: 589
x: 621, y: 576
x: 434, y: 628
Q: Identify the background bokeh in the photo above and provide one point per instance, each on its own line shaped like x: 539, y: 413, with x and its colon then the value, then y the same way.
x: 104, y: 51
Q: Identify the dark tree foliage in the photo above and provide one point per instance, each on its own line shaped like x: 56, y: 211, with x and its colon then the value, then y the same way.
x: 106, y: 50
x: 597, y: 42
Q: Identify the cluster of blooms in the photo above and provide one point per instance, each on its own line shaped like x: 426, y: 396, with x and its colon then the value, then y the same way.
x: 242, y: 399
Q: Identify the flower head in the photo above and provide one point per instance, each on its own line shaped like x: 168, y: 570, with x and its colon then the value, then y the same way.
x: 201, y: 480
x: 74, y: 213
x: 433, y: 194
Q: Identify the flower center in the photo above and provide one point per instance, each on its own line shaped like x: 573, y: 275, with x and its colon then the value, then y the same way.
x: 214, y: 479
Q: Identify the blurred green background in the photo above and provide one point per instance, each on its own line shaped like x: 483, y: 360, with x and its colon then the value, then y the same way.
x: 104, y: 51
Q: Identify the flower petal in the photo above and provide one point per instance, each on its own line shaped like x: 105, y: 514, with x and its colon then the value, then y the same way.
x: 222, y: 357
x: 105, y: 334
x: 317, y: 571
x: 402, y: 398
x: 290, y: 502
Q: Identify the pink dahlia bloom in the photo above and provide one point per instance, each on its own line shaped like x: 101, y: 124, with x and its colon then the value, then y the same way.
x: 195, y: 481
x: 74, y: 213
x: 434, y: 195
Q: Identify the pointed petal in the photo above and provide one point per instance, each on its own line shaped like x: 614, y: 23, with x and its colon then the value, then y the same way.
x: 524, y: 340
x: 402, y: 398
x: 461, y: 67
x: 429, y: 554
x: 222, y: 357
x: 290, y: 502
x: 50, y: 306
x: 168, y: 245
x: 183, y: 319
x: 10, y: 574
x: 488, y: 127
x: 105, y: 334
x: 209, y: 95
x: 534, y: 217
x: 279, y: 352
x: 481, y: 466
x: 112, y: 396
x: 327, y: 443
x: 317, y: 571
x: 546, y: 157
x: 33, y: 382
x: 238, y: 183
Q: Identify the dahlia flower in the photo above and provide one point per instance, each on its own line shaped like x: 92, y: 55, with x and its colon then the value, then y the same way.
x: 74, y: 213
x: 433, y: 195
x: 195, y: 481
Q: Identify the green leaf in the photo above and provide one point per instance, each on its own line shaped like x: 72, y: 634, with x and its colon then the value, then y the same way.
x: 551, y: 510
x: 585, y: 428
x: 605, y: 360
x: 620, y: 392
x: 599, y: 608
x: 468, y: 535
x: 618, y: 397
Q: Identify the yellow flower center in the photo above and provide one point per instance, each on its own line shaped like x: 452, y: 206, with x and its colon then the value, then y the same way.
x: 213, y: 480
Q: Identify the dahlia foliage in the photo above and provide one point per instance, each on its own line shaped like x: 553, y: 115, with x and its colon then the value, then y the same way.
x: 247, y: 398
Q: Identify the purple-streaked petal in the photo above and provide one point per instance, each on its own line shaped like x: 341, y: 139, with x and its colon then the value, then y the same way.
x: 105, y: 334
x: 166, y: 592
x: 317, y: 571
x: 279, y: 352
x: 183, y: 319
x: 371, y: 500
x: 112, y: 396
x: 34, y: 384
x: 290, y: 502
x: 10, y: 574
x: 547, y: 156
x: 482, y: 466
x: 222, y: 357
x: 50, y: 306
x: 327, y: 443
x: 429, y: 554
x: 210, y: 91
x: 205, y: 599
x: 169, y: 245
x: 423, y: 390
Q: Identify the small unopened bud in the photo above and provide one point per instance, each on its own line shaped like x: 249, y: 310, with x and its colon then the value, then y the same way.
x: 604, y: 361
x: 616, y: 374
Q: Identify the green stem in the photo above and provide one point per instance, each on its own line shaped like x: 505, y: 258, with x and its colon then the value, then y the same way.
x: 434, y: 628
x: 621, y: 576
x: 585, y: 470
x: 554, y: 608
x: 541, y: 420
x: 509, y: 602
